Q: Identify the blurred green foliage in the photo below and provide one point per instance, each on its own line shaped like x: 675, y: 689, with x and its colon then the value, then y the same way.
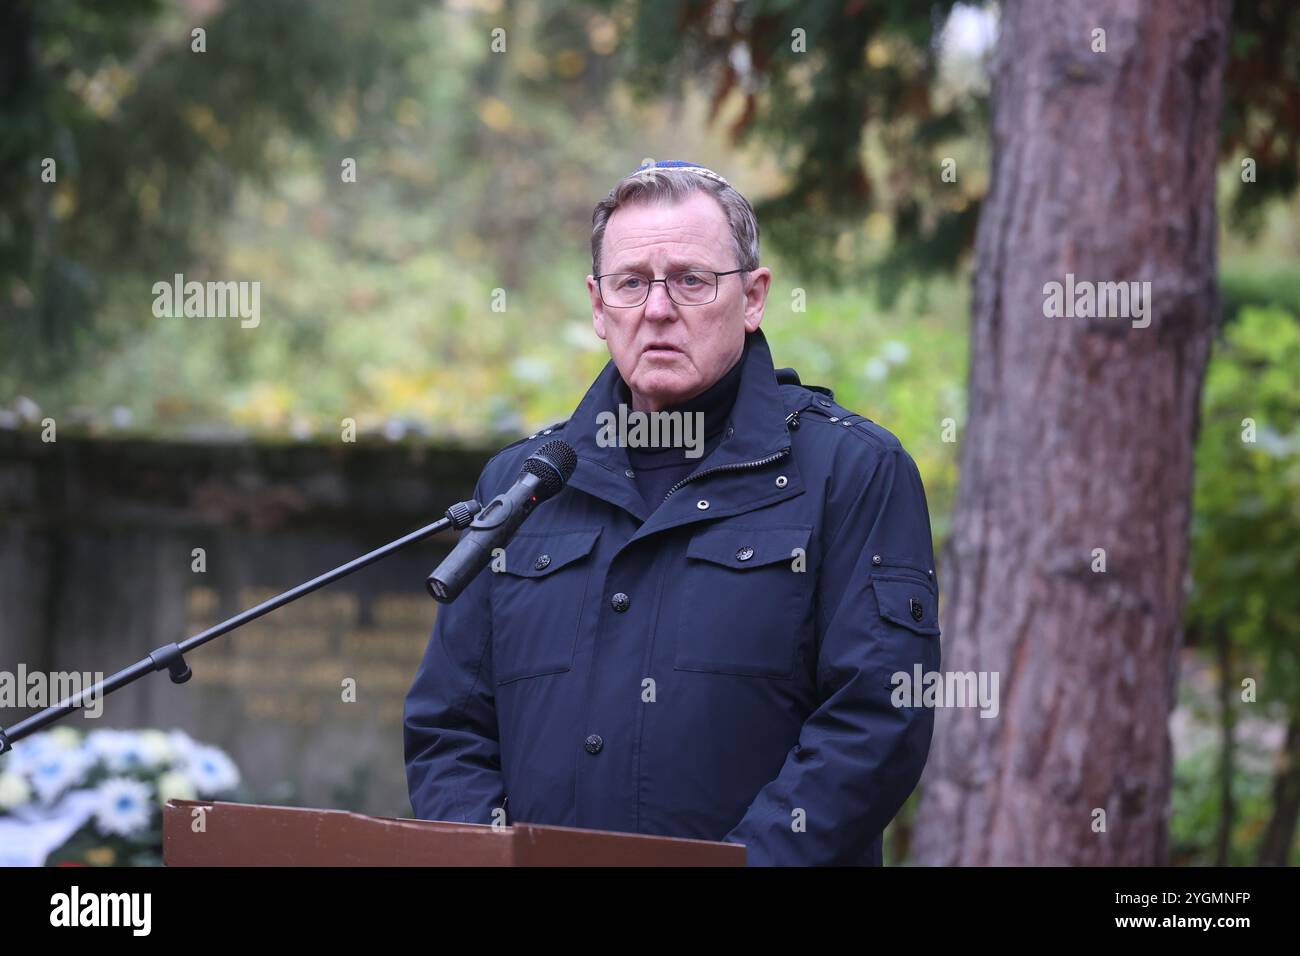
x: 1194, y: 814
x: 1245, y: 563
x: 1246, y: 513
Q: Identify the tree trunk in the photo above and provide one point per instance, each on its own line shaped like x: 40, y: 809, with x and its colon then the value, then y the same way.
x: 1275, y: 847
x: 1227, y: 761
x: 1080, y: 437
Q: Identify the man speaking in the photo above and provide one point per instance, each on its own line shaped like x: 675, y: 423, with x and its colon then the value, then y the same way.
x: 694, y: 638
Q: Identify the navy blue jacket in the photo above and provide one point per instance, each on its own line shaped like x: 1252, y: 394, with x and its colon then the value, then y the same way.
x: 718, y: 667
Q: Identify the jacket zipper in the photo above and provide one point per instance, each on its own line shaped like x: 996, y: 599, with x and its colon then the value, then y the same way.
x: 791, y: 421
x: 738, y: 466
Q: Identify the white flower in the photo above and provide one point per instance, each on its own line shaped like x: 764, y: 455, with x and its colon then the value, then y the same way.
x: 65, y: 738
x: 28, y: 752
x: 211, y: 770
x: 182, y: 745
x: 14, y: 791
x: 52, y: 771
x: 101, y: 742
x: 156, y: 747
x: 123, y: 750
x: 175, y: 785
x: 124, y: 806
x: 108, y: 746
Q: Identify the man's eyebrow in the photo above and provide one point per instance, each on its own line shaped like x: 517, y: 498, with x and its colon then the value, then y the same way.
x: 673, y: 265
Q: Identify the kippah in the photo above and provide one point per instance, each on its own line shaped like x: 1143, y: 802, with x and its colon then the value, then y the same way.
x: 684, y: 166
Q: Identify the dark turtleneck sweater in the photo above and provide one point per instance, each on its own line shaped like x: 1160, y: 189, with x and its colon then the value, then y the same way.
x: 658, y: 469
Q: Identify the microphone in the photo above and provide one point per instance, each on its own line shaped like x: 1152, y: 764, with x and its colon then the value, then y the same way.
x: 543, y: 474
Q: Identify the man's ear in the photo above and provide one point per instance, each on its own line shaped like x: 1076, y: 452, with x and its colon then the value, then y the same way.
x: 760, y: 281
x: 597, y: 308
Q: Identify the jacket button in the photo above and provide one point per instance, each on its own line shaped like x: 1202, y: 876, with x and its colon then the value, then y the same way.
x: 744, y: 554
x: 875, y: 559
x: 542, y: 562
x: 630, y: 473
x: 593, y: 744
x: 781, y: 481
x: 702, y: 505
x: 823, y: 402
x: 620, y: 602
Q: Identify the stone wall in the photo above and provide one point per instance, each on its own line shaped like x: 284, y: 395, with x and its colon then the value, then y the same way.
x: 98, y: 568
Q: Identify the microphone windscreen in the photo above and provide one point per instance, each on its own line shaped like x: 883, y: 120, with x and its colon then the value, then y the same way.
x: 552, y: 464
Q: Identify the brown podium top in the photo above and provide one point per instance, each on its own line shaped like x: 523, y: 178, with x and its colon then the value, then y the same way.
x: 199, y: 833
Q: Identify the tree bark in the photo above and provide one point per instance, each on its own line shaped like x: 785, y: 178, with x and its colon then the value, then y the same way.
x: 1279, y: 835
x: 1080, y: 437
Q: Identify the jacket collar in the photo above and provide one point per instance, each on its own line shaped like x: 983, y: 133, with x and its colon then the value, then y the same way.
x: 756, y: 430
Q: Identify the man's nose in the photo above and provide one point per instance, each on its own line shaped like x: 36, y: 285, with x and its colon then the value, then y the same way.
x: 659, y: 306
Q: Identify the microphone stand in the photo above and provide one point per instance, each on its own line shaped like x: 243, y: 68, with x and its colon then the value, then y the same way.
x: 170, y: 657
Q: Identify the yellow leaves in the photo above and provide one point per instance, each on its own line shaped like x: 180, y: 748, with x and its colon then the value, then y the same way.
x: 602, y: 34
x: 403, y: 390
x: 532, y: 64
x: 877, y: 55
x: 878, y: 226
x: 844, y: 247
x: 569, y: 63
x: 65, y: 201
x: 344, y: 120
x: 148, y: 199
x: 104, y: 91
x: 267, y: 405
x: 408, y: 111
x: 206, y: 126
x: 445, y: 400
x: 101, y: 856
x: 495, y: 114
x: 416, y: 168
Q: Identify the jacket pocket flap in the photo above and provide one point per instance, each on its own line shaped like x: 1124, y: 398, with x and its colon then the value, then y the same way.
x: 744, y: 548
x: 908, y: 602
x: 537, y: 555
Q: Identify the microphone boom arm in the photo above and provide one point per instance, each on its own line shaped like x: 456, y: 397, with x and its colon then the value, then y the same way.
x: 171, y: 657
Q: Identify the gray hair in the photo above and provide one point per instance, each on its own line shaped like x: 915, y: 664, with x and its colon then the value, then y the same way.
x: 672, y: 185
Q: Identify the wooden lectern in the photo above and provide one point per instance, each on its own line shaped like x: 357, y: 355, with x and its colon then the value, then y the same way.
x: 237, y: 834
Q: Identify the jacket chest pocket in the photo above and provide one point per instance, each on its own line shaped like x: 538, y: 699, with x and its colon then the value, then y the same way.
x: 539, y: 587
x: 746, y: 600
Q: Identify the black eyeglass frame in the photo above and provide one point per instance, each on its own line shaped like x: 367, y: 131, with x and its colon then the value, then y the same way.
x: 650, y: 284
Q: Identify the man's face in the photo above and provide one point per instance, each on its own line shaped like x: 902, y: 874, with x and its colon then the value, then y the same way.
x: 668, y: 353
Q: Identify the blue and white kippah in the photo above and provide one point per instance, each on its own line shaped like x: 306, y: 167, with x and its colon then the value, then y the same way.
x: 678, y: 164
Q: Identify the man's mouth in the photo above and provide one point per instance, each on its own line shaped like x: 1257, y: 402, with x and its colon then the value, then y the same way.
x: 661, y: 347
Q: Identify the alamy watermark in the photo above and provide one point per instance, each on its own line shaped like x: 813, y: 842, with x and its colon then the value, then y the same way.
x: 946, y: 689
x: 632, y: 429
x: 31, y: 689
x: 208, y: 300
x: 1098, y: 300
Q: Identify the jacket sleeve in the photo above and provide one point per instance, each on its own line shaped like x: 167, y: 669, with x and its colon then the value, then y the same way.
x: 859, y: 755
x: 453, y: 757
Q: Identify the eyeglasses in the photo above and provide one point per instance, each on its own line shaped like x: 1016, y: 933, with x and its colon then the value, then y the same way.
x: 626, y: 290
